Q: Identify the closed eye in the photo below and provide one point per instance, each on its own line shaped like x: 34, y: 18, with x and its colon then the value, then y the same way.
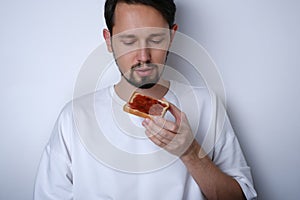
x: 156, y: 41
x: 128, y: 42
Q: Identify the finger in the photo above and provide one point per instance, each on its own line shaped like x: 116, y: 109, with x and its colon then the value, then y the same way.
x: 156, y: 140
x: 165, y: 124
x: 151, y: 126
x: 176, y: 113
x: 158, y: 130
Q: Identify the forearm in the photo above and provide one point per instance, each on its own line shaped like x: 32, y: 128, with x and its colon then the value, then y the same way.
x: 213, y: 182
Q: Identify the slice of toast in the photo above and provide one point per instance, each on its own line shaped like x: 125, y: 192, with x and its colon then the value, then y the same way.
x: 145, y: 106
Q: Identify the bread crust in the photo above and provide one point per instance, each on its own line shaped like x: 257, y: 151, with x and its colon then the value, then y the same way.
x: 136, y: 112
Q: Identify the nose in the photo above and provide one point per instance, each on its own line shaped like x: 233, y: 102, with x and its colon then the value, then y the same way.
x: 143, y: 54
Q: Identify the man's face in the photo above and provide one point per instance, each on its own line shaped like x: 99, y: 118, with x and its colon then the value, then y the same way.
x: 140, y: 41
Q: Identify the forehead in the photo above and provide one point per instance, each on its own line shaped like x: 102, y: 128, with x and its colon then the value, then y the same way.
x: 146, y: 32
x: 136, y: 17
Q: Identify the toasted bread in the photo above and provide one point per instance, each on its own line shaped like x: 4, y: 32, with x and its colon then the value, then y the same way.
x: 145, y: 106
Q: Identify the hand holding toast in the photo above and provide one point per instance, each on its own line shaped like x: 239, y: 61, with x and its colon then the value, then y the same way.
x: 175, y: 137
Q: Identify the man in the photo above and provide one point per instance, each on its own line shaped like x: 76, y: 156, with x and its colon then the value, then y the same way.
x: 139, y: 35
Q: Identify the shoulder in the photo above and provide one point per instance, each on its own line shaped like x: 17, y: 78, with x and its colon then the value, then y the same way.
x: 103, y: 94
x: 71, y: 114
x: 79, y: 106
x: 200, y: 96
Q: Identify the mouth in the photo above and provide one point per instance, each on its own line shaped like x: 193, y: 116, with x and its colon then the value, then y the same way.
x: 144, y: 70
x: 143, y: 75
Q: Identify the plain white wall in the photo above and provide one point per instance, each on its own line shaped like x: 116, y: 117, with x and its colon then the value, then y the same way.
x: 255, y: 44
x: 42, y: 47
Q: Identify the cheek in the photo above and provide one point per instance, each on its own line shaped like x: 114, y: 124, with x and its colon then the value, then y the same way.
x: 124, y: 63
x: 159, y: 56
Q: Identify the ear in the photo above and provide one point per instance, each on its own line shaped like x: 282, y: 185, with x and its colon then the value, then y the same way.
x: 173, y: 31
x: 106, y: 35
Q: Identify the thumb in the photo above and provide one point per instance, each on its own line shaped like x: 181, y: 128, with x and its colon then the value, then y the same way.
x: 176, y: 113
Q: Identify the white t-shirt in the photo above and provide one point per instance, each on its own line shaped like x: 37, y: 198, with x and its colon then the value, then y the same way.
x: 97, y: 151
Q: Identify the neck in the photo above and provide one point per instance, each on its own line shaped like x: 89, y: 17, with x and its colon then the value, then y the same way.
x: 124, y: 89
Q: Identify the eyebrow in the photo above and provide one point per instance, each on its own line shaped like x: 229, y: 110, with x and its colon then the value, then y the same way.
x: 157, y: 34
x: 127, y: 36
x: 132, y: 36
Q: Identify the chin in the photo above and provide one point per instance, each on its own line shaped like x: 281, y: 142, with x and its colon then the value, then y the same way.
x: 147, y: 85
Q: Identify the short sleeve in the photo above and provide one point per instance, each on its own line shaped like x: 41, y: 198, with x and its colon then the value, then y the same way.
x: 228, y: 156
x: 54, y: 177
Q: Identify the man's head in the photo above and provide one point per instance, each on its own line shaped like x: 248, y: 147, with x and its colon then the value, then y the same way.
x: 140, y: 33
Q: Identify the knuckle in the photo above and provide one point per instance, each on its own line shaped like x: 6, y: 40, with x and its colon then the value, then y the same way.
x: 173, y: 127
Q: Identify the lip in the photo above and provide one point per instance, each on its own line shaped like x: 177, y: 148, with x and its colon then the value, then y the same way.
x: 144, y: 71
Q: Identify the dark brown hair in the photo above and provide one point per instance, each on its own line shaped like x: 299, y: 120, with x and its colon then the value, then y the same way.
x: 167, y: 8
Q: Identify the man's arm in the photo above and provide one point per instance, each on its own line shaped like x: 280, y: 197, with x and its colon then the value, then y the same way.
x: 213, y: 182
x: 178, y: 139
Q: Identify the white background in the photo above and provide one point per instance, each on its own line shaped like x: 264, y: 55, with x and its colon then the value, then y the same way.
x: 255, y: 45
